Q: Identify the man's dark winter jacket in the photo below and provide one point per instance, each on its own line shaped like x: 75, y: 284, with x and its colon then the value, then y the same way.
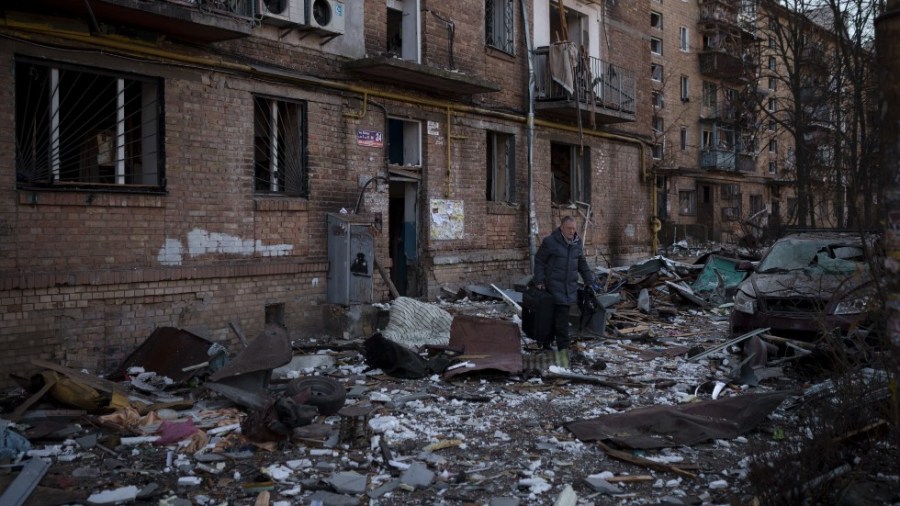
x: 557, y: 265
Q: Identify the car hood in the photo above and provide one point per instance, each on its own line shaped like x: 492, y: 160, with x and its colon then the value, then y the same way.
x: 805, y: 283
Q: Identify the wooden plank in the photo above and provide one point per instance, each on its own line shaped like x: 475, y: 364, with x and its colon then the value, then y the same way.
x: 98, y: 383
x: 17, y: 414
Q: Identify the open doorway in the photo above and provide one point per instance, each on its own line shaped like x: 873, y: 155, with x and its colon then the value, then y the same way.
x: 402, y: 235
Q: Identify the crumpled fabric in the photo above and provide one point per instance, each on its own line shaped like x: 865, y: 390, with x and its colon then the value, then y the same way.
x: 12, y: 444
x: 173, y: 432
x: 562, y: 55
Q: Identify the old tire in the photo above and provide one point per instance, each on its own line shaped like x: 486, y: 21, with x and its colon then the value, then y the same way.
x: 324, y: 393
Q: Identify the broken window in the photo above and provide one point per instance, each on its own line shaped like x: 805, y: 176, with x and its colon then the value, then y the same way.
x: 656, y: 20
x: 656, y: 72
x: 501, y: 161
x: 404, y: 142
x: 707, y: 140
x: 79, y: 127
x: 403, y: 29
x: 710, y: 91
x: 657, y: 100
x: 756, y: 204
x: 773, y: 167
x: 687, y: 202
x: 656, y: 46
x: 499, y: 22
x: 657, y: 150
x: 570, y: 169
x: 279, y: 141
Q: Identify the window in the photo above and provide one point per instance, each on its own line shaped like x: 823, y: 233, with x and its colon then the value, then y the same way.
x: 687, y: 202
x: 707, y: 139
x: 773, y: 167
x: 570, y: 170
x: 657, y: 100
x: 773, y: 83
x: 279, y: 141
x: 709, y: 94
x: 772, y: 126
x: 684, y: 39
x: 756, y: 204
x: 499, y: 21
x: 771, y: 42
x: 656, y: 20
x: 501, y: 162
x: 78, y: 127
x: 658, y: 124
x: 657, y: 151
x: 730, y: 191
x: 685, y: 89
x: 773, y: 105
x: 684, y: 138
x: 656, y: 72
x: 773, y: 146
x: 656, y: 45
x: 403, y: 29
x: 404, y: 142
x: 771, y: 63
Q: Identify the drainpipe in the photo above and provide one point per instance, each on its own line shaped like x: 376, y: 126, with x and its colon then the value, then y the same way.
x: 529, y: 136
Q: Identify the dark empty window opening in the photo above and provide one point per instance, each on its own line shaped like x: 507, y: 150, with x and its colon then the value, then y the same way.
x: 394, y: 33
x: 279, y: 134
x: 78, y: 127
x: 404, y: 142
x: 501, y: 158
x: 275, y: 314
x: 570, y: 171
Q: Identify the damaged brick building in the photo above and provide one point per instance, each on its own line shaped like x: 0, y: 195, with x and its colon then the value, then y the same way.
x: 189, y: 163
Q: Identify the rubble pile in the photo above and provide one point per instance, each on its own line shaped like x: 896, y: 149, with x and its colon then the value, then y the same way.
x: 652, y: 410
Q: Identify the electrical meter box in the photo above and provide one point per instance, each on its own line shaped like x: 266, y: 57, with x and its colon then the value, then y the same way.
x: 350, y: 259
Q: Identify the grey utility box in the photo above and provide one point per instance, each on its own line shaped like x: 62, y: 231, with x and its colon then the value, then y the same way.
x: 350, y: 259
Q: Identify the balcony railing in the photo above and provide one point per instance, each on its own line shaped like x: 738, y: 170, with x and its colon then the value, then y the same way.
x: 717, y: 159
x: 611, y: 86
x: 718, y: 111
x: 244, y: 8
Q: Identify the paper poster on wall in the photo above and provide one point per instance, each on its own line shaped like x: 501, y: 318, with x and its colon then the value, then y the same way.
x: 447, y: 218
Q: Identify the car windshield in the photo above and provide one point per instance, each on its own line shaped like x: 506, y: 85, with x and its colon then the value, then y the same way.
x: 793, y: 254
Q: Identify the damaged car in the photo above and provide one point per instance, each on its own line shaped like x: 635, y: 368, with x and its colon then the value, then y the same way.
x: 808, y: 284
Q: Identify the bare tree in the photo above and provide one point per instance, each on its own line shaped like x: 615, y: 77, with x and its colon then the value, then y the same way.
x: 817, y: 54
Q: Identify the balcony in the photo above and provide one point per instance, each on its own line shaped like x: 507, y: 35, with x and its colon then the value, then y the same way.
x: 717, y: 159
x: 722, y: 65
x: 408, y: 73
x: 723, y: 112
x: 202, y: 21
x: 597, y: 87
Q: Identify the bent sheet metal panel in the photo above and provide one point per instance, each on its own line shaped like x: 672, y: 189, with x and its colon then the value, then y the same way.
x: 491, y: 344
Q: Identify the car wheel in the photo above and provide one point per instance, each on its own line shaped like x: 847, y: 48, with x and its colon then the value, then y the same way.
x: 324, y: 393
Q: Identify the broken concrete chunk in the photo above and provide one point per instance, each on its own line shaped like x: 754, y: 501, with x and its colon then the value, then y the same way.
x: 567, y: 497
x: 349, y: 482
x: 599, y: 484
x: 417, y: 475
x: 504, y: 501
x: 331, y: 499
x: 384, y: 489
x: 114, y: 496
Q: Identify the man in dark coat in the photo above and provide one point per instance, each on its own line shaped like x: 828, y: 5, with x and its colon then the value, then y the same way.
x: 557, y: 264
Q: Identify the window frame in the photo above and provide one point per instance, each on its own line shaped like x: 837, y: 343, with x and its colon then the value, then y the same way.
x: 659, y: 17
x: 656, y: 46
x: 684, y: 39
x: 685, y: 88
x: 493, y: 192
x: 137, y: 100
x: 579, y: 173
x: 293, y: 181
x: 656, y: 72
x: 684, y: 138
x: 689, y: 196
x: 505, y: 15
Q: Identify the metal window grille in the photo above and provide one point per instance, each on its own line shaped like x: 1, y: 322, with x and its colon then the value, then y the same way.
x: 78, y: 127
x: 279, y: 131
x: 499, y: 23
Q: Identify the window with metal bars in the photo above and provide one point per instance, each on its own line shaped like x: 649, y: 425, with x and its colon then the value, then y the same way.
x: 499, y: 23
x: 279, y: 140
x: 87, y: 128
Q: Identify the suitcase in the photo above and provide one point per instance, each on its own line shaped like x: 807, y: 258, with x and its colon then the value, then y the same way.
x: 537, y: 314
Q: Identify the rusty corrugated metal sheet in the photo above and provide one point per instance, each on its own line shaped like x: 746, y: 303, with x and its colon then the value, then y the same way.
x: 491, y: 344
